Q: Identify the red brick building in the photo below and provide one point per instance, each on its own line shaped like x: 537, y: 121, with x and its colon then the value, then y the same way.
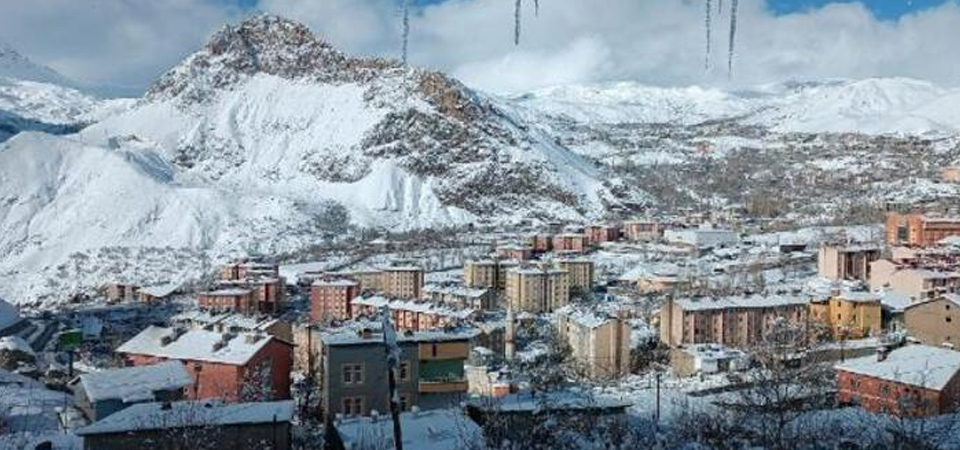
x: 571, y: 242
x: 229, y: 366
x: 330, y: 299
x: 245, y: 269
x: 238, y: 299
x: 642, y: 230
x: 920, y: 230
x: 598, y: 234
x: 914, y: 381
x: 541, y: 243
x: 267, y: 294
x: 515, y: 252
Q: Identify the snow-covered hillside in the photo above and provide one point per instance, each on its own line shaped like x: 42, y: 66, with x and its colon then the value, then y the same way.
x: 15, y: 66
x: 873, y: 106
x: 262, y: 141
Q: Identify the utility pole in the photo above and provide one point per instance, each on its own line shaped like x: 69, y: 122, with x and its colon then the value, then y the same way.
x: 393, y: 361
x: 657, y: 417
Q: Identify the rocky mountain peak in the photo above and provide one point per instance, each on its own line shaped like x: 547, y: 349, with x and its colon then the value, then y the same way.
x: 261, y: 44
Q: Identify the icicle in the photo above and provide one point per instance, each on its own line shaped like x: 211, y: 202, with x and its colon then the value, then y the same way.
x: 406, y: 29
x: 536, y: 8
x: 719, y: 8
x: 706, y: 62
x: 733, y: 36
x: 516, y: 23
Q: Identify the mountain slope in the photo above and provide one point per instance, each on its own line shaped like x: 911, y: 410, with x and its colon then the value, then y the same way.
x: 261, y: 142
x: 13, y: 65
x: 871, y: 106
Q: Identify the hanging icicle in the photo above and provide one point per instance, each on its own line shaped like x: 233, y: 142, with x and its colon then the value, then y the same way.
x: 516, y: 23
x: 733, y: 36
x: 706, y: 62
x: 719, y: 8
x: 406, y: 29
x: 536, y: 8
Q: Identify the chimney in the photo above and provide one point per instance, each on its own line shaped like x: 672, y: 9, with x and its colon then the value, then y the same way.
x: 882, y: 353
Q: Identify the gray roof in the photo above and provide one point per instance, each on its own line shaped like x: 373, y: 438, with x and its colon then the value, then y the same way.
x: 153, y: 416
x: 135, y: 384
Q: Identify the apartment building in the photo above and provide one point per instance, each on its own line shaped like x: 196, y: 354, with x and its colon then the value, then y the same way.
x: 402, y: 281
x: 460, y: 296
x: 846, y: 262
x: 849, y: 315
x: 330, y: 299
x: 920, y: 230
x: 541, y: 243
x: 537, y: 290
x: 411, y: 315
x: 702, y: 238
x: 913, y: 381
x: 642, y: 230
x: 354, y: 371
x: 229, y: 366
x: 916, y: 282
x: 237, y: 299
x: 599, y: 343
x: 515, y: 252
x: 731, y: 321
x: 571, y: 242
x: 598, y: 234
x: 580, y: 273
x: 935, y: 322
x: 488, y: 274
x: 249, y: 269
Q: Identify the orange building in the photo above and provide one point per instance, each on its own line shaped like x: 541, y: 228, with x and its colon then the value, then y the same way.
x: 515, y: 252
x: 598, y: 234
x: 919, y: 229
x: 642, y: 230
x: 571, y: 242
x: 541, y: 243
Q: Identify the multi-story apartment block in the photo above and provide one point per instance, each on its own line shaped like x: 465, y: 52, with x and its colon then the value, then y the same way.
x: 731, y: 321
x: 580, y: 273
x: 913, y: 381
x: 402, y: 281
x: 935, y: 322
x: 228, y: 366
x: 916, y: 282
x: 459, y: 296
x: 571, y: 242
x: 354, y: 371
x: 537, y: 290
x: 248, y: 269
x: 846, y: 262
x: 236, y: 299
x: 642, y: 230
x: 267, y: 294
x: 598, y: 234
x: 330, y: 299
x: 541, y: 243
x: 515, y: 252
x: 919, y: 229
x: 488, y: 274
x: 411, y: 315
x: 599, y: 343
x: 849, y: 315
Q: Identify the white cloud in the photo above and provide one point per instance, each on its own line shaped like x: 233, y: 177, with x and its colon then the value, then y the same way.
x: 573, y: 41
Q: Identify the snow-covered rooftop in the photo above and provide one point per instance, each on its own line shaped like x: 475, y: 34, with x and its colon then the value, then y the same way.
x: 160, y: 290
x: 755, y: 301
x: 196, y: 345
x: 443, y: 429
x: 377, y: 301
x: 583, y: 316
x: 135, y: 384
x: 458, y: 290
x: 351, y: 336
x: 154, y: 416
x: 339, y: 282
x: 916, y: 365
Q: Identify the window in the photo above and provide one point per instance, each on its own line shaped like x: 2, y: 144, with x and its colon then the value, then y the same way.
x: 353, y: 406
x: 352, y: 373
x: 404, y: 371
x: 404, y: 403
x: 949, y: 319
x: 433, y: 350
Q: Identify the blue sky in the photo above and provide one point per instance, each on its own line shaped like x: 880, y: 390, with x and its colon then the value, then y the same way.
x: 884, y: 9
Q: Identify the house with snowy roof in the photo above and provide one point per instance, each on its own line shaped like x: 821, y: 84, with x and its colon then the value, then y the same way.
x: 192, y: 424
x: 100, y: 394
x: 916, y: 381
x: 229, y: 366
x: 442, y: 429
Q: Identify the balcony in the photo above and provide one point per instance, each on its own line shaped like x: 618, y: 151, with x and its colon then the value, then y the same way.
x: 442, y: 386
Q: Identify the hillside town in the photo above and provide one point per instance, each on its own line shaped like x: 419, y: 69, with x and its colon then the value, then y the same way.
x: 648, y: 329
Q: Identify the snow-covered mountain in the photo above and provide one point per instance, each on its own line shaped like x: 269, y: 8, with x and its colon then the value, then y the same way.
x: 34, y: 97
x: 262, y: 141
x: 872, y: 106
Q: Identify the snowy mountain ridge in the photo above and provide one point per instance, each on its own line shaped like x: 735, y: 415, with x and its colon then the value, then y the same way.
x: 871, y: 106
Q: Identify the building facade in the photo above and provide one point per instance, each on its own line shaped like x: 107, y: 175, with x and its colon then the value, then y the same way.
x: 598, y: 234
x: 571, y: 242
x: 737, y: 322
x: 402, y: 281
x: 330, y: 299
x: 849, y: 315
x: 642, y: 230
x: 600, y: 344
x: 838, y: 262
x: 919, y: 230
x: 537, y: 290
x: 935, y: 322
x: 354, y: 371
x: 918, y: 283
x: 580, y: 274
